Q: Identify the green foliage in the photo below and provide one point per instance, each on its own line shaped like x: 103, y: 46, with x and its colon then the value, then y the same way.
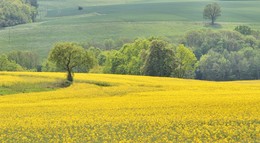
x: 214, y: 66
x: 28, y: 60
x: 118, y: 63
x: 135, y: 54
x: 18, y: 60
x: 224, y: 55
x: 235, y: 65
x: 13, y: 12
x: 100, y: 20
x: 102, y: 57
x: 88, y: 61
x: 212, y: 12
x: 204, y: 40
x: 185, y: 62
x: 160, y: 59
x: 6, y: 65
x: 243, y: 29
x: 48, y: 66
x: 70, y: 56
x: 153, y: 57
x: 129, y: 59
x: 142, y: 20
x: 33, y: 3
x: 251, y: 41
x: 94, y: 54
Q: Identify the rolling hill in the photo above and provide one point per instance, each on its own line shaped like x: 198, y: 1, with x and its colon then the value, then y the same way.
x: 113, y: 108
x: 120, y: 19
x: 43, y: 107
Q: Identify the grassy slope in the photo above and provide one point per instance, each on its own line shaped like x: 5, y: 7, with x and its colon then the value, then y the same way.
x: 133, y: 108
x: 115, y: 19
x: 27, y: 83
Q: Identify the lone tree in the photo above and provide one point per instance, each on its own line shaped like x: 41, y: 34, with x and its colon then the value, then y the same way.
x: 80, y: 8
x: 212, y: 12
x: 68, y: 56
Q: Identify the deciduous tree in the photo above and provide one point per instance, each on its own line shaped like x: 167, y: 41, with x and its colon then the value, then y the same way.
x: 68, y: 56
x: 185, y: 62
x: 160, y: 59
x: 6, y: 65
x: 212, y: 12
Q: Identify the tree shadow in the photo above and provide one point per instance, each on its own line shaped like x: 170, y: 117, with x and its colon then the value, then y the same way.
x: 215, y: 26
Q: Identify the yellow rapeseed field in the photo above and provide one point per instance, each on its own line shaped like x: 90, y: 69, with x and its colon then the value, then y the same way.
x: 120, y: 108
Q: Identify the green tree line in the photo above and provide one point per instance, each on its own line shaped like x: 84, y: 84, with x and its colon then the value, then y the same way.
x: 203, y: 54
x: 14, y: 12
x: 226, y: 55
x: 20, y: 61
x: 153, y: 57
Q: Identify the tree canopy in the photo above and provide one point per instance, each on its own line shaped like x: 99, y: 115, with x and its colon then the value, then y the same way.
x: 7, y: 65
x: 69, y: 56
x: 153, y: 57
x: 224, y: 55
x: 160, y: 59
x: 212, y: 12
x: 14, y: 12
x: 185, y: 62
x: 243, y: 29
x: 28, y: 60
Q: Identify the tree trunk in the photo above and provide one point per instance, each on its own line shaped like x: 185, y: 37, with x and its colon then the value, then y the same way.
x: 69, y: 76
x: 257, y: 69
x: 212, y: 21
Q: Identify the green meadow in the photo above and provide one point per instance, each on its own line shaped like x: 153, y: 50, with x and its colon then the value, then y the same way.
x: 60, y: 20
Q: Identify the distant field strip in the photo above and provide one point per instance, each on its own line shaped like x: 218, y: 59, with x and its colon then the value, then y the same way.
x: 114, y: 108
